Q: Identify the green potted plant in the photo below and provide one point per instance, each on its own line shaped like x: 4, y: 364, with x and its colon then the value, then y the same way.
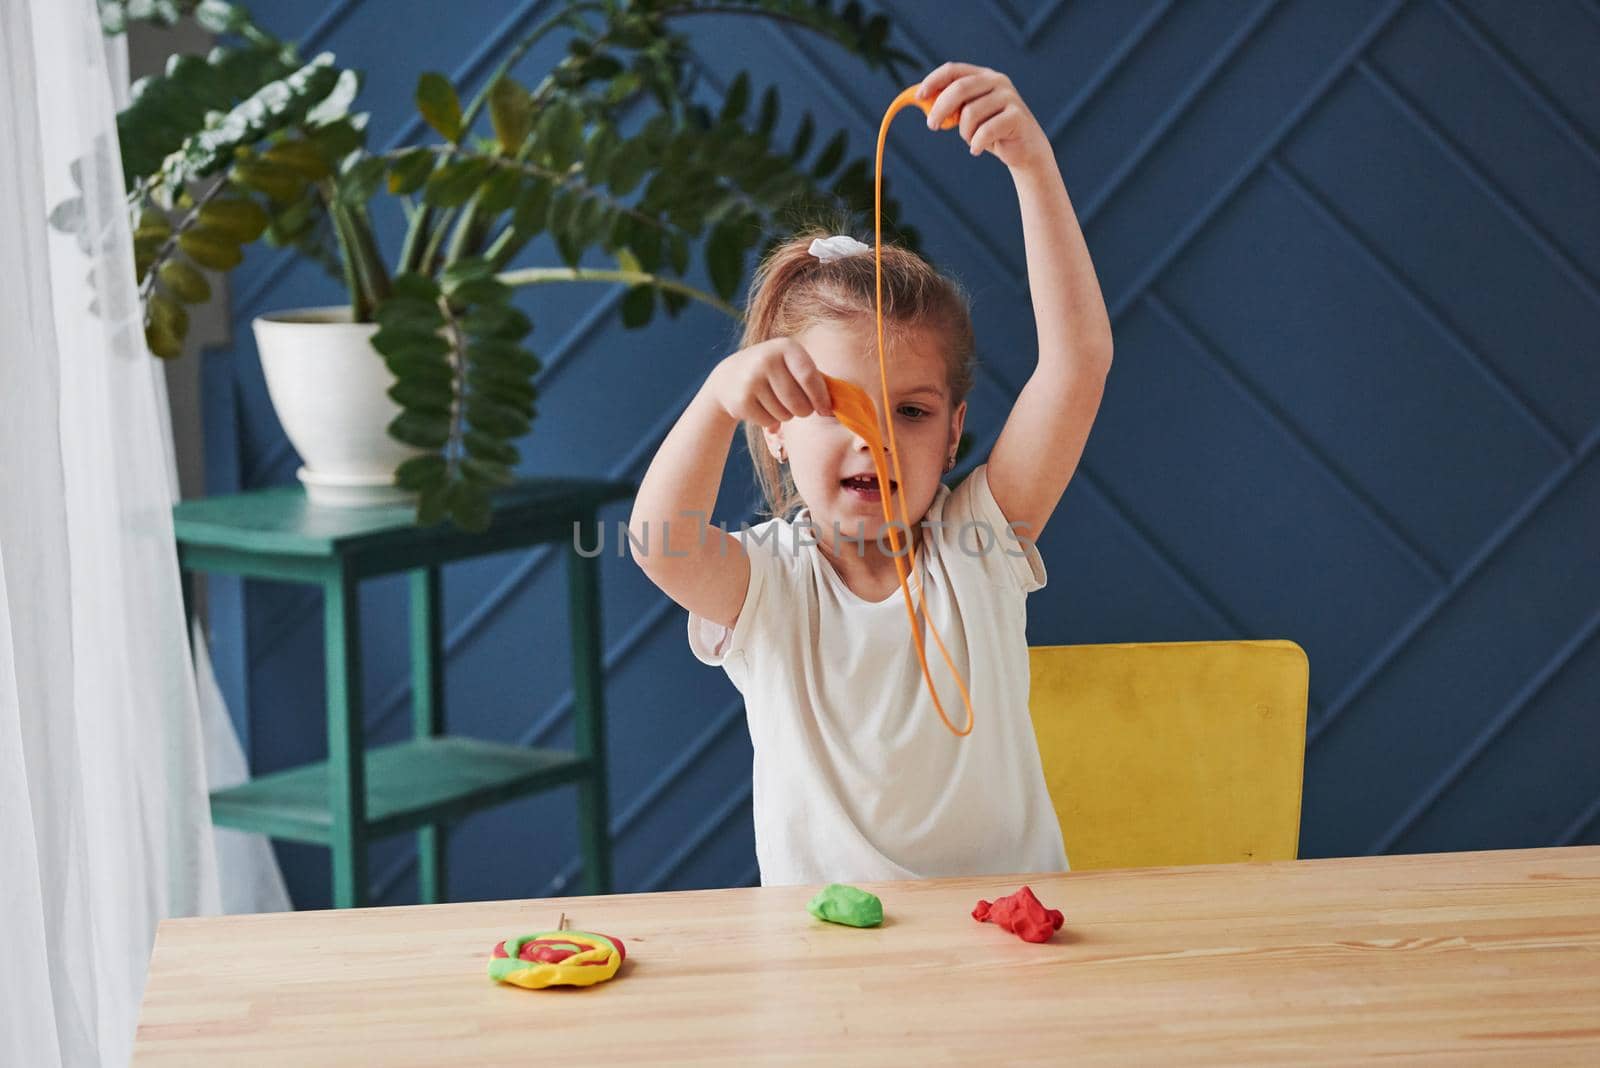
x: 606, y: 152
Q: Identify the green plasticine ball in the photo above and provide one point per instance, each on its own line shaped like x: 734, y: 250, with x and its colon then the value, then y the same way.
x: 837, y: 903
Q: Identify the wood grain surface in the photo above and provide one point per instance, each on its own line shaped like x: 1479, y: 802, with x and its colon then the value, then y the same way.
x: 1487, y: 957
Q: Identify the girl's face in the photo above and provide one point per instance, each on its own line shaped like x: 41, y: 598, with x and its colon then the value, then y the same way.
x: 832, y: 467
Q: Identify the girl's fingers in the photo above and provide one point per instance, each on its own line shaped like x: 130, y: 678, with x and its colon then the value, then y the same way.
x: 763, y: 395
x: 993, y: 131
x: 979, y: 111
x: 956, y: 94
x: 810, y: 380
x: 942, y: 76
x: 789, y: 393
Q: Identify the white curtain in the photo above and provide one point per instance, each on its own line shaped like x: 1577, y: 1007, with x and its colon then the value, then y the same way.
x: 104, y: 823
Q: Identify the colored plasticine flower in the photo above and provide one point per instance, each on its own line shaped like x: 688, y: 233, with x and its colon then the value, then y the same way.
x: 556, y: 958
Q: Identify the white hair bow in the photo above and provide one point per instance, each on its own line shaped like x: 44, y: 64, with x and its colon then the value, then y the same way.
x: 837, y: 247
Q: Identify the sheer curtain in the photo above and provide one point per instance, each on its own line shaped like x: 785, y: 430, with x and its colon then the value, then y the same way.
x: 104, y: 823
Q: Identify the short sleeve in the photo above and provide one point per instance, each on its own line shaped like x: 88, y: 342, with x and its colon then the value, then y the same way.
x: 977, y: 528
x: 714, y: 644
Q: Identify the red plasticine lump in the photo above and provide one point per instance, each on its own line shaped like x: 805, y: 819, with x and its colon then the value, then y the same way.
x: 1022, y: 914
x: 553, y: 950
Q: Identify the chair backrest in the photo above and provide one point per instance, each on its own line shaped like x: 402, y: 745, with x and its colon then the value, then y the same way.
x: 1173, y: 753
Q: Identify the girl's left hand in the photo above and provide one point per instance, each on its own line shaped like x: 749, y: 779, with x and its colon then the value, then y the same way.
x: 993, y: 116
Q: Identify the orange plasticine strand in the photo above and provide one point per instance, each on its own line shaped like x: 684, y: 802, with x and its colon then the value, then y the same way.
x: 853, y: 408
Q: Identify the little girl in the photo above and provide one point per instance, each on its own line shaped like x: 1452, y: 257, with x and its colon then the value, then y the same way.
x: 855, y: 777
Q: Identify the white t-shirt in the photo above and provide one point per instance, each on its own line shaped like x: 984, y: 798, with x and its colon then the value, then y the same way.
x: 855, y: 777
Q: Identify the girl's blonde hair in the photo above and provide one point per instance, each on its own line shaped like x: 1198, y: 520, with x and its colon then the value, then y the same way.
x: 792, y: 290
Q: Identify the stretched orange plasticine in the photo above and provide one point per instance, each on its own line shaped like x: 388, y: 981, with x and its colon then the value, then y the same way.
x: 853, y: 408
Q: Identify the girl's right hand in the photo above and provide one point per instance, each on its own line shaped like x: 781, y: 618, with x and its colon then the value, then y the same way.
x: 770, y: 382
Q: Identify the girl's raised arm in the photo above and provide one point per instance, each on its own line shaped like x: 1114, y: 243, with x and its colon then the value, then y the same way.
x: 1043, y: 439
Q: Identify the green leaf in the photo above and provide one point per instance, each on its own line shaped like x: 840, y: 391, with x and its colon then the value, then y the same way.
x: 560, y: 134
x: 508, y: 354
x: 432, y: 505
x: 162, y: 342
x: 440, y: 106
x: 299, y: 156
x: 499, y: 192
x: 211, y: 248
x: 336, y: 105
x: 184, y: 282
x: 153, y: 224
x: 802, y: 138
x: 678, y: 252
x: 240, y: 218
x: 421, y: 367
x: 414, y: 286
x: 425, y: 396
x: 497, y: 321
x: 454, y: 183
x: 487, y: 473
x: 511, y: 114
x: 422, y: 473
x: 470, y: 506
x: 831, y: 156
x: 725, y: 258
x: 410, y: 317
x: 638, y: 305
x: 589, y: 220
x: 598, y: 152
x: 358, y: 182
x: 568, y: 246
x: 532, y: 209
x: 167, y: 316
x: 468, y: 269
x: 627, y: 166
x: 485, y: 447
x: 492, y: 417
x: 215, y: 16
x: 484, y: 290
x: 280, y: 184
x: 392, y: 342
x: 410, y: 169
x: 424, y: 430
x: 502, y: 384
x: 737, y: 100
x: 646, y: 244
x: 602, y: 67
x: 769, y: 112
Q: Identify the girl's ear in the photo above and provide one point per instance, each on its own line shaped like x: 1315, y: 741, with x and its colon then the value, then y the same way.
x: 958, y: 420
x: 775, y: 445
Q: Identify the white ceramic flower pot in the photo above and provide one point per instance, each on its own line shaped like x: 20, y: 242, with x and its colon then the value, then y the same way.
x: 330, y: 388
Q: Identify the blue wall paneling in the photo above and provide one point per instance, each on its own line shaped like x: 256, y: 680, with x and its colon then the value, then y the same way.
x: 1352, y: 251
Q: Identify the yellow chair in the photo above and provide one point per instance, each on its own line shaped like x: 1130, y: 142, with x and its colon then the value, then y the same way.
x: 1173, y: 753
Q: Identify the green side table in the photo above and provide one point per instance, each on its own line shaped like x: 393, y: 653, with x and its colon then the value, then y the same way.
x: 426, y: 783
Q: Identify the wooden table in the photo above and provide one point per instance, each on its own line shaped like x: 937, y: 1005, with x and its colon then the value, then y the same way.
x: 1488, y: 956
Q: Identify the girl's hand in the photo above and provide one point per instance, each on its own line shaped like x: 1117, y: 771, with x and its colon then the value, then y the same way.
x: 769, y: 383
x: 993, y: 116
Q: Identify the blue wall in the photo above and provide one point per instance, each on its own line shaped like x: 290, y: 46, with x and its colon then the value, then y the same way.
x: 1352, y: 251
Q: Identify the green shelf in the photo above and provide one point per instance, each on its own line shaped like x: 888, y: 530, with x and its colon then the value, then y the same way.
x: 409, y: 785
x: 437, y: 779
